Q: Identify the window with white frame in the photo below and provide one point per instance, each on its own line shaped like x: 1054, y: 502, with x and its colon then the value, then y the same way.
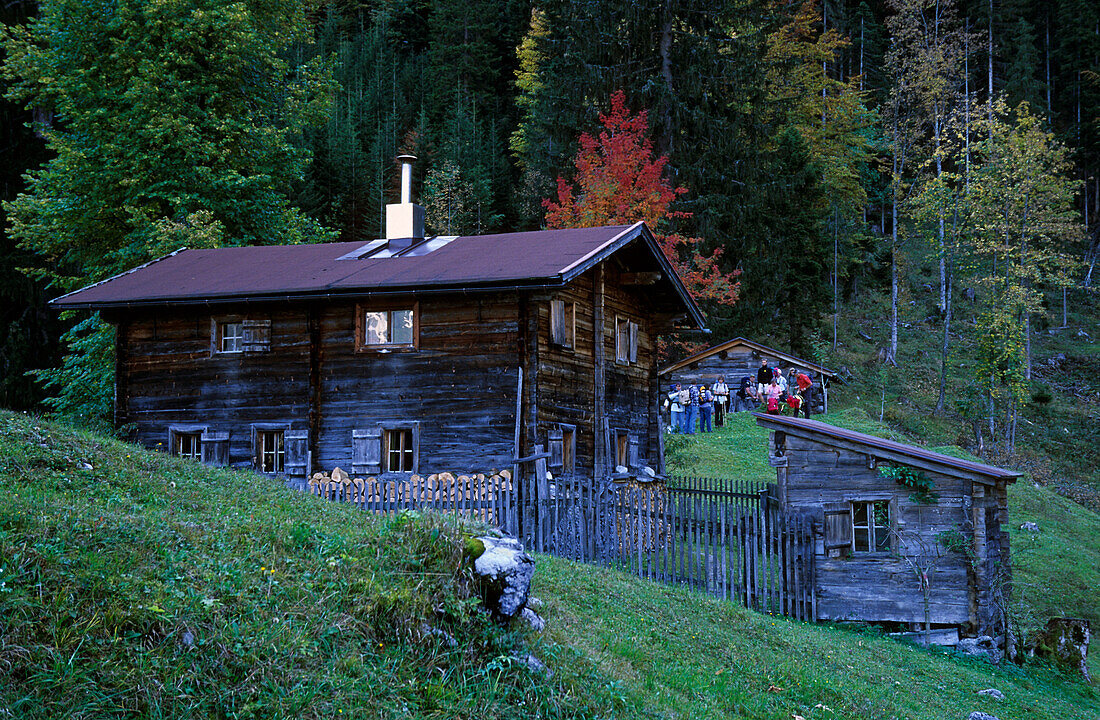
x: 385, y: 329
x: 270, y: 451
x: 229, y: 336
x: 398, y: 450
x: 871, y: 526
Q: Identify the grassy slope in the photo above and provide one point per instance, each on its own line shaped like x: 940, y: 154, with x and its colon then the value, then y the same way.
x: 152, y: 587
x: 296, y: 607
x: 690, y: 656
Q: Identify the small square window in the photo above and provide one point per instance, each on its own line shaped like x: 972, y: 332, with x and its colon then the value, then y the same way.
x: 188, y: 445
x: 270, y: 451
x: 398, y: 452
x: 230, y: 337
x: 385, y: 329
x: 871, y: 526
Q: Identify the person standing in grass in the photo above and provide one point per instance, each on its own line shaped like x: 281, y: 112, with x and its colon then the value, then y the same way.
x: 676, y: 408
x: 721, y: 401
x: 692, y: 409
x: 763, y: 376
x: 706, y: 408
x: 806, y: 389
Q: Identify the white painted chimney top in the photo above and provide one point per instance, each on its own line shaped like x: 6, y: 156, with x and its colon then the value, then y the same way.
x: 404, y: 220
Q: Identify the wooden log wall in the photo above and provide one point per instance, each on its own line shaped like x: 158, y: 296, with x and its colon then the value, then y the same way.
x: 882, y: 586
x: 167, y: 375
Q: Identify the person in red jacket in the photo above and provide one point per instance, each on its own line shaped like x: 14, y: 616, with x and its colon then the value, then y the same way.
x: 806, y: 389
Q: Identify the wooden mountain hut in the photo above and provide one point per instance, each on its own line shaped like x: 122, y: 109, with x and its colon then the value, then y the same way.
x: 905, y: 535
x: 741, y: 357
x: 402, y: 355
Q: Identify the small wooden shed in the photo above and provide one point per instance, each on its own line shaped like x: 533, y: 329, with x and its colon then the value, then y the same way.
x: 737, y: 358
x: 883, y: 552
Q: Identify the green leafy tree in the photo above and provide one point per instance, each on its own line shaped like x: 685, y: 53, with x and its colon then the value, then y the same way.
x: 173, y: 126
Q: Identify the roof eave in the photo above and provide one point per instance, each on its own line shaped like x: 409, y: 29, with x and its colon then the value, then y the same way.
x: 635, y: 231
x: 707, y: 352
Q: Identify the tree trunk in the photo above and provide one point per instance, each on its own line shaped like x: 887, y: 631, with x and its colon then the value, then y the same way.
x: 942, y: 399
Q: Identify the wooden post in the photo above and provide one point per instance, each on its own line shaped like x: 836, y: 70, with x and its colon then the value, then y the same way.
x: 517, y: 491
x: 313, y: 323
x: 599, y: 418
x: 542, y: 500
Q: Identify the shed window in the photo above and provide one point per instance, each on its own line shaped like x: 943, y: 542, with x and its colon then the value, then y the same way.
x: 563, y: 323
x: 626, y: 340
x: 188, y: 445
x: 230, y: 337
x: 270, y: 451
x: 399, y: 450
x: 384, y: 329
x: 871, y: 526
x: 622, y: 447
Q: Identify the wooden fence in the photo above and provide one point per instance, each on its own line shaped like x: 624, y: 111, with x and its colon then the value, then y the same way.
x: 727, y: 538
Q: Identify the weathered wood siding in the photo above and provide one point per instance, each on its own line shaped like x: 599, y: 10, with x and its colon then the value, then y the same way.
x: 567, y: 377
x: 168, y: 376
x: 460, y: 384
x: 880, y: 587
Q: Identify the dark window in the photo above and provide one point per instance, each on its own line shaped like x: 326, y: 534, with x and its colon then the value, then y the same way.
x: 569, y: 448
x: 188, y: 445
x: 399, y: 451
x: 871, y: 526
x: 563, y: 323
x: 270, y: 451
x: 626, y: 340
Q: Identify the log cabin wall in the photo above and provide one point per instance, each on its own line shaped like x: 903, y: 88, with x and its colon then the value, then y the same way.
x: 567, y: 373
x: 880, y: 586
x: 459, y: 384
x: 168, y: 375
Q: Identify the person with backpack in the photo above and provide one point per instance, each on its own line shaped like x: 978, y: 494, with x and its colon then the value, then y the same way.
x: 806, y: 389
x: 763, y: 376
x: 677, y: 410
x: 686, y: 418
x: 692, y: 408
x: 747, y: 398
x: 772, y: 395
x: 706, y: 408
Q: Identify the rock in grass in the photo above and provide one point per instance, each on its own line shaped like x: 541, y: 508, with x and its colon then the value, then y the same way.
x: 1030, y: 527
x: 505, y: 572
x: 976, y: 715
x: 993, y: 693
x: 532, y: 618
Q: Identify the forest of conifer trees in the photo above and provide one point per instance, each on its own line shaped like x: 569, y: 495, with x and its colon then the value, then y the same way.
x: 827, y: 150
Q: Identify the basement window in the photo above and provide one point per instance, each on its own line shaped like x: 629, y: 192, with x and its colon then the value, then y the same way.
x: 188, y: 445
x: 270, y: 451
x: 387, y: 329
x: 399, y: 450
x: 871, y: 526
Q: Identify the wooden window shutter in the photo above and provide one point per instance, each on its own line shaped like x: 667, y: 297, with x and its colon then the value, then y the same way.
x: 633, y: 342
x: 557, y: 447
x: 558, y: 334
x: 256, y: 335
x: 366, y: 450
x: 215, y: 448
x: 296, y: 449
x: 838, y: 528
x: 632, y: 452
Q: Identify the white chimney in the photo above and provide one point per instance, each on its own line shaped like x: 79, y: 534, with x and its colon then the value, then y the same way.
x: 404, y: 220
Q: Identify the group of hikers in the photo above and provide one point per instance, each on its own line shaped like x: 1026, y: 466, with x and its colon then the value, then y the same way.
x: 772, y: 392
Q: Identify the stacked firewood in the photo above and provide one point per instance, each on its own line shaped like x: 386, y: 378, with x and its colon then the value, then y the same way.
x: 437, y: 487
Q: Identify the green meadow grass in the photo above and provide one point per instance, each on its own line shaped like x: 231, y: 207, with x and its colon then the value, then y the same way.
x: 149, y: 587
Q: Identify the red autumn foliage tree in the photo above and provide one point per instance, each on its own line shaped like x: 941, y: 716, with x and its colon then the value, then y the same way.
x: 618, y: 181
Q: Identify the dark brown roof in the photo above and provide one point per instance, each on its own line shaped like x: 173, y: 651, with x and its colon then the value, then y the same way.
x: 887, y: 449
x: 539, y: 258
x: 747, y: 343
